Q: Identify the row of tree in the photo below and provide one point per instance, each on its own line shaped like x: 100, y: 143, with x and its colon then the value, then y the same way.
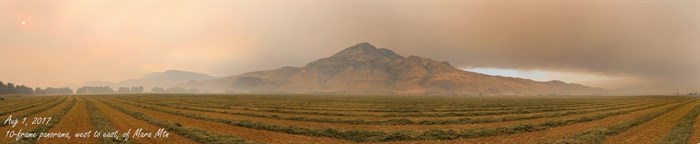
x: 130, y: 90
x: 140, y: 89
x: 174, y: 90
x: 106, y: 89
x: 11, y: 88
x: 50, y: 90
x: 94, y: 90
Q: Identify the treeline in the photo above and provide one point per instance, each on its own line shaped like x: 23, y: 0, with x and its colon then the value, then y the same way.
x: 130, y: 90
x: 140, y: 89
x: 174, y: 90
x: 106, y: 89
x: 11, y: 88
x: 94, y: 89
x: 50, y: 90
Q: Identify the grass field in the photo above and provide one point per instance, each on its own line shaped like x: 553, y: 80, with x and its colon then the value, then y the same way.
x: 361, y: 119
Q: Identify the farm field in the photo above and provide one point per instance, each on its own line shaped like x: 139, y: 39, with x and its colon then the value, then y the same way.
x: 360, y: 119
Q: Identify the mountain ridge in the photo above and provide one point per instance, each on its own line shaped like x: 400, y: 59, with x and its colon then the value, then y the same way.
x: 165, y: 79
x: 365, y: 69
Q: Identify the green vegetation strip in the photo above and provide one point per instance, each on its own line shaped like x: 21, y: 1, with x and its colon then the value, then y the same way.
x: 597, y: 136
x: 680, y: 134
x: 403, y: 135
x: 401, y: 121
x: 101, y: 124
x: 45, y: 127
x: 197, y: 135
x: 36, y: 110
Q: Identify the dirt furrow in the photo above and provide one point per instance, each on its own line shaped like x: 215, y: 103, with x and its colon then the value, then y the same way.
x: 43, y: 113
x: 552, y: 133
x: 695, y: 137
x: 650, y: 131
x: 77, y: 120
x: 123, y: 122
x: 245, y: 133
x: 374, y: 127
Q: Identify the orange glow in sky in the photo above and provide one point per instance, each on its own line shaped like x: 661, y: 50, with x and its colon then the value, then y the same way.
x: 622, y: 43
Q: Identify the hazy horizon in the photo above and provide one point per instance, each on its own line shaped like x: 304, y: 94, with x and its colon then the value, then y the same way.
x: 609, y: 44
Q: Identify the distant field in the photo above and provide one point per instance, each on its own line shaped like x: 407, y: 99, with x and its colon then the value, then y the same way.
x: 359, y: 119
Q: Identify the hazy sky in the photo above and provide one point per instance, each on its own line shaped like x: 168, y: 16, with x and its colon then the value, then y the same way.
x: 607, y: 44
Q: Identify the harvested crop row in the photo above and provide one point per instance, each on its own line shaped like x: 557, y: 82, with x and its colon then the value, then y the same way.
x: 362, y: 106
x: 11, y: 99
x: 56, y: 118
x: 650, y: 131
x: 695, y: 136
x: 515, y: 129
x: 545, y: 136
x: 402, y: 121
x: 42, y: 112
x: 6, y: 112
x: 101, y: 124
x: 552, y: 104
x: 24, y: 102
x: 361, y: 136
x: 387, y: 107
x: 227, y: 103
x: 600, y: 134
x: 683, y: 130
x: 122, y: 122
x: 466, y: 112
x: 525, y: 112
x: 77, y: 120
x: 245, y: 133
x: 411, y: 116
x: 33, y: 110
x: 197, y: 135
x: 369, y: 127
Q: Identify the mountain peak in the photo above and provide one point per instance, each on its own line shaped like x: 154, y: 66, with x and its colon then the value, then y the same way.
x: 360, y: 48
x: 173, y: 71
x: 366, y: 51
x: 365, y: 44
x: 365, y: 69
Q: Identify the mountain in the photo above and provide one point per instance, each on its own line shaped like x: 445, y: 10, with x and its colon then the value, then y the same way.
x: 170, y: 78
x: 365, y: 69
